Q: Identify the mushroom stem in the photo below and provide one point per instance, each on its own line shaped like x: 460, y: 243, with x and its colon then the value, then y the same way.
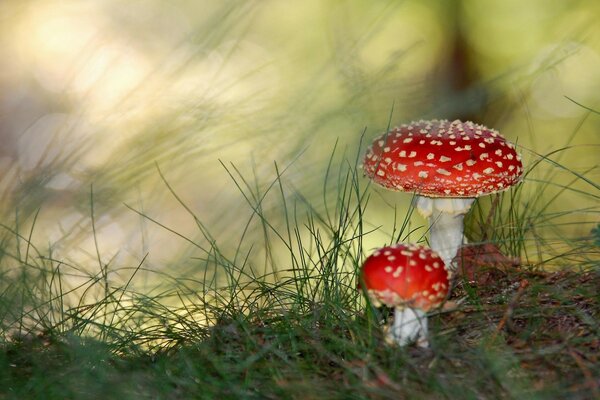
x: 410, y: 325
x: 446, y: 236
x: 445, y: 225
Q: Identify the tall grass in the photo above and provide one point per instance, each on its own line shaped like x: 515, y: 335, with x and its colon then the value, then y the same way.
x: 260, y: 300
x: 294, y: 325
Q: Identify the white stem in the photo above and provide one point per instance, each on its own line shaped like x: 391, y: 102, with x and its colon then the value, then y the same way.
x: 410, y: 325
x: 446, y: 236
x: 445, y: 224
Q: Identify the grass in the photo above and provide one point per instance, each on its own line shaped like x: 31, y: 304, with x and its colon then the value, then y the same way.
x: 296, y: 326
x: 270, y: 309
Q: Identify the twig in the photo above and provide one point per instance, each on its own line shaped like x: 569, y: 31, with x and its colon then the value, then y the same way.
x: 511, y: 306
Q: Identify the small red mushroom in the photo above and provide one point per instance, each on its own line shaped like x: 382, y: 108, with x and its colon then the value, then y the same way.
x: 448, y: 165
x: 412, y: 279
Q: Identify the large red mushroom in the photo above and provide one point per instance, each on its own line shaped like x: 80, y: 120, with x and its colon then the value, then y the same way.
x: 412, y: 279
x: 448, y: 165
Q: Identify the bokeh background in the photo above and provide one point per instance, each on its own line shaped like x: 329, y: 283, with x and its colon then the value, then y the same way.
x: 96, y: 96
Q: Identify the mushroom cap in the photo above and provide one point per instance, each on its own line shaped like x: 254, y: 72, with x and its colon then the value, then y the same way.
x: 439, y: 158
x: 405, y: 275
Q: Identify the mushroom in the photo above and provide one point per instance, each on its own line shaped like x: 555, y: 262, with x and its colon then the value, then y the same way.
x: 447, y: 165
x: 412, y: 279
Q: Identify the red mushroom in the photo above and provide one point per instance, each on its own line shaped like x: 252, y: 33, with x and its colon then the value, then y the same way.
x: 448, y: 165
x: 412, y: 279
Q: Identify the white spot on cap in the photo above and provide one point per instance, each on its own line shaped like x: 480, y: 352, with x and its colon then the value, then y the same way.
x: 412, y: 154
x: 445, y: 159
x: 482, y: 145
x: 509, y: 156
x: 381, y: 172
x: 447, y: 191
x: 407, y: 140
x: 423, y: 174
x: 402, y: 153
x: 397, y: 272
x: 499, y: 164
x: 443, y: 172
x: 488, y: 170
x: 470, y: 163
x: 380, y: 143
x: 388, y: 269
x: 406, y: 253
x: 458, y: 167
x: 418, y: 163
x: 430, y: 156
x: 498, y: 152
x: 386, y: 149
x: 387, y: 160
x: 401, y: 167
x: 483, y: 156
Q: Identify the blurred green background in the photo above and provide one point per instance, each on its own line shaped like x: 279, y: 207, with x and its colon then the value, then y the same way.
x: 94, y: 95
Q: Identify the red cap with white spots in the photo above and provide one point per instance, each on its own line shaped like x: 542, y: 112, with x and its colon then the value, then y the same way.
x: 405, y: 275
x: 443, y: 159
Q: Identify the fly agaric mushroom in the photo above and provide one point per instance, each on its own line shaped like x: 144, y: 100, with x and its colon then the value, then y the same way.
x: 448, y: 165
x: 412, y: 279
